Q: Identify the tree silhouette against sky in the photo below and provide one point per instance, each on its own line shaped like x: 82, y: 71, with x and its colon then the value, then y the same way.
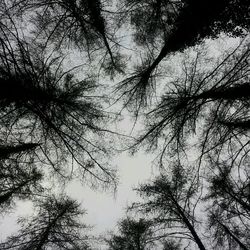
x: 56, y: 119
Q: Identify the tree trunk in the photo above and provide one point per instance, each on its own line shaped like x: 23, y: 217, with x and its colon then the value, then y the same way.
x: 6, y: 151
x: 188, y: 224
x: 46, y: 233
x: 222, y: 93
x: 233, y: 236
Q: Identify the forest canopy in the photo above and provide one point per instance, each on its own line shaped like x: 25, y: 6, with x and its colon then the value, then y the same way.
x: 71, y: 71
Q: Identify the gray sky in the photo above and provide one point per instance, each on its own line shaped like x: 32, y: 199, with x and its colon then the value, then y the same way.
x: 105, y: 209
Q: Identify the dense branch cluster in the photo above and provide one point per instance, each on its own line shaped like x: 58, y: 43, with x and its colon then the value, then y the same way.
x: 56, y: 118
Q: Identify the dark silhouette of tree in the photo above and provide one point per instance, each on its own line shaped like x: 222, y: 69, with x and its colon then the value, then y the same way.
x: 171, y: 200
x: 151, y: 19
x: 228, y: 209
x: 19, y: 177
x: 59, y: 112
x: 226, y: 235
x: 55, y: 225
x: 133, y: 235
x: 195, y: 21
x: 166, y: 19
x: 18, y: 182
x: 80, y: 23
x: 229, y: 191
x: 207, y: 104
x: 48, y: 117
x: 7, y: 150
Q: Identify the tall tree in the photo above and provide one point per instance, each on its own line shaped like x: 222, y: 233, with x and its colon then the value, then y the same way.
x: 55, y: 225
x: 203, y: 103
x: 172, y: 202
x: 227, y: 234
x: 195, y: 21
x: 80, y: 23
x: 51, y: 107
x: 228, y: 209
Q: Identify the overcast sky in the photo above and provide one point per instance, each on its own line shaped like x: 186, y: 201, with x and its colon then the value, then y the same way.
x: 105, y: 209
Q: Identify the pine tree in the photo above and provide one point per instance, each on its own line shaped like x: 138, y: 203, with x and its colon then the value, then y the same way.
x: 133, y: 235
x: 54, y: 225
x: 193, y: 21
x: 58, y: 110
x: 171, y: 201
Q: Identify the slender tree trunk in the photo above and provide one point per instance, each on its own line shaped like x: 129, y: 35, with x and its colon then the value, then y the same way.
x: 138, y: 242
x: 233, y: 236
x: 147, y: 73
x: 6, y: 151
x: 188, y: 224
x: 44, y: 238
x: 46, y: 233
x: 182, y: 35
x: 241, y: 202
x: 245, y: 125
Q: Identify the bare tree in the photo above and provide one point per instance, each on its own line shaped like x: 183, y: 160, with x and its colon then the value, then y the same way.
x: 19, y: 177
